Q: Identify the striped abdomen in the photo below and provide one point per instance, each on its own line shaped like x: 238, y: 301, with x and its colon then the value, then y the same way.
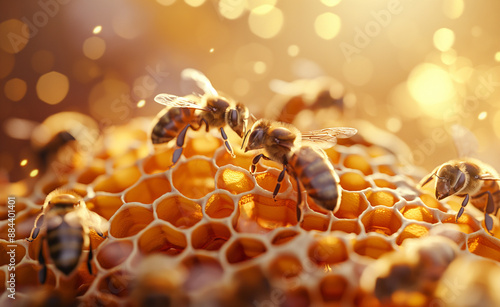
x: 65, y: 245
x: 170, y: 123
x: 315, y: 171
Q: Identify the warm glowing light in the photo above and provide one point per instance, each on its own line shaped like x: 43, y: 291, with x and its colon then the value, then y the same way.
x: 97, y: 30
x: 34, y: 173
x: 15, y: 89
x: 444, y: 39
x: 52, y: 87
x: 358, y: 71
x: 266, y: 21
x: 449, y: 57
x: 327, y: 25
x: 194, y: 3
x: 482, y: 115
x: 497, y: 56
x: 211, y: 50
x: 231, y: 9
x: 453, y: 8
x: 24, y: 162
x: 166, y: 2
x: 94, y: 47
x: 259, y: 67
x: 141, y: 103
x: 293, y: 50
x: 330, y: 3
x: 393, y: 124
x: 432, y: 87
x: 14, y: 35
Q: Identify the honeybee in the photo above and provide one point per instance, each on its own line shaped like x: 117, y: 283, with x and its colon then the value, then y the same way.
x: 468, y: 178
x: 302, y: 157
x: 214, y: 111
x: 65, y: 222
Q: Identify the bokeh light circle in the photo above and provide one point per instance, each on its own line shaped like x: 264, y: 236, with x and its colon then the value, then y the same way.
x: 52, y: 87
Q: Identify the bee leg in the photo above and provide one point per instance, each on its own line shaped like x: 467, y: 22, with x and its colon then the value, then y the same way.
x: 42, y: 274
x: 299, y: 198
x: 256, y: 160
x: 226, y: 142
x: 180, y: 144
x: 488, y: 209
x: 427, y: 179
x: 278, y: 184
x: 461, y: 211
x: 89, y: 259
x: 36, y: 229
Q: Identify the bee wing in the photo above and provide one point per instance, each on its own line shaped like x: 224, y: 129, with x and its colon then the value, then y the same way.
x: 465, y: 141
x: 327, y: 137
x: 177, y: 102
x: 97, y: 222
x: 200, y: 79
x: 489, y: 177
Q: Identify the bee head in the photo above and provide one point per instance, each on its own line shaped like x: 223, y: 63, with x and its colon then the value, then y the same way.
x: 61, y: 199
x: 237, y: 119
x: 450, y: 180
x: 254, y: 138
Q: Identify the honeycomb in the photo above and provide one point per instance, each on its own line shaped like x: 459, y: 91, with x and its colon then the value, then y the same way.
x: 206, y: 232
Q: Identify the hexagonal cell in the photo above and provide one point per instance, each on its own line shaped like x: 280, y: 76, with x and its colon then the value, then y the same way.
x: 105, y: 205
x: 372, y: 246
x: 297, y: 296
x: 419, y: 213
x: 114, y: 253
x: 348, y: 226
x: 162, y: 239
x: 219, y: 206
x: 52, y: 185
x: 382, y: 220
x: 268, y: 214
x: 234, y: 181
x: 431, y: 202
x: 4, y: 210
x: 130, y: 221
x: 148, y: 190
x: 159, y: 162
x: 284, y: 236
x: 131, y: 157
x: 24, y: 224
x: 328, y: 250
x: 244, y: 249
x: 466, y: 223
x: 224, y: 158
x: 351, y: 205
x: 412, y: 231
x: 358, y: 162
x: 248, y: 286
x: 179, y: 211
x: 285, y: 266
x: 205, y: 146
x: 333, y: 287
x: 386, y: 169
x: 382, y: 183
x: 27, y: 276
x: 315, y: 222
x: 202, y: 271
x: 381, y: 198
x: 19, y: 253
x: 484, y: 245
x: 333, y: 155
x: 118, y: 181
x: 268, y: 181
x: 353, y: 182
x: 210, y: 236
x: 194, y: 178
x: 116, y: 283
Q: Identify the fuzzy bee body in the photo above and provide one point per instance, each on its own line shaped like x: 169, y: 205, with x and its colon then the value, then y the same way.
x: 169, y: 123
x: 65, y: 224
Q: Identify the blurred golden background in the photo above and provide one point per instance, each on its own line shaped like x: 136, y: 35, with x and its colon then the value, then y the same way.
x: 415, y: 67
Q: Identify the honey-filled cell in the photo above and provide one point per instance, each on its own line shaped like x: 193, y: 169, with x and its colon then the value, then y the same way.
x: 285, y: 266
x: 219, y: 206
x: 148, y: 190
x: 419, y: 213
x: 116, y: 283
x: 484, y: 245
x: 234, y: 181
x: 210, y: 236
x: 412, y: 231
x: 382, y: 220
x: 381, y: 198
x: 130, y: 221
x: 162, y: 239
x: 268, y: 213
x: 333, y: 288
x: 5, y: 253
x: 358, y: 162
x: 315, y: 222
x: 244, y: 249
x: 105, y: 205
x: 114, y: 253
x: 179, y: 211
x: 466, y: 223
x: 353, y: 182
x: 284, y: 236
x: 118, y: 181
x: 372, y: 246
x: 204, y: 146
x: 347, y: 226
x: 194, y: 178
x: 159, y: 162
x: 328, y: 250
x: 223, y: 158
x: 269, y: 179
x: 351, y: 206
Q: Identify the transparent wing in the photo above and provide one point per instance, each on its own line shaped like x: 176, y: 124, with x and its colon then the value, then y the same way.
x: 465, y: 141
x: 489, y: 177
x: 177, y: 102
x: 326, y: 138
x: 200, y: 79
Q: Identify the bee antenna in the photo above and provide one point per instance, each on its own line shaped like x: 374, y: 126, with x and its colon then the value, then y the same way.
x: 244, y: 139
